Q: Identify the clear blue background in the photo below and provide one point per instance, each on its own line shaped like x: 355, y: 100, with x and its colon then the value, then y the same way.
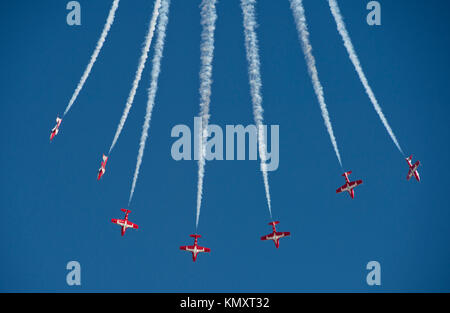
x: 53, y: 210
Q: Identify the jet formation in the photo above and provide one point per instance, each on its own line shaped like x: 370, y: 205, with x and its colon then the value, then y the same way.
x: 275, y: 235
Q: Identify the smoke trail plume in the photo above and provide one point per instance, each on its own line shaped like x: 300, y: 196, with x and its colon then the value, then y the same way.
x: 208, y: 22
x: 137, y: 78
x: 355, y: 60
x: 100, y: 42
x: 159, y: 48
x: 251, y: 47
x: 302, y: 28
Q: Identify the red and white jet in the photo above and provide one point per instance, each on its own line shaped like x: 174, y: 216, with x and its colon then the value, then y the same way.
x: 125, y: 223
x: 195, y: 249
x: 102, y: 169
x: 275, y: 236
x: 413, y: 169
x: 349, y: 185
x: 55, y: 129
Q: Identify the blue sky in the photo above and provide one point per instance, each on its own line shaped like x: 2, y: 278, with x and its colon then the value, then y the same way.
x: 55, y: 211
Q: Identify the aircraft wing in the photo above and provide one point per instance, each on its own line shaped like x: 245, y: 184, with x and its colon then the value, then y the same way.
x: 416, y: 174
x: 117, y: 221
x: 353, y: 184
x: 187, y: 248
x: 283, y: 234
x: 267, y: 237
x: 341, y: 189
x: 132, y: 225
x: 203, y: 249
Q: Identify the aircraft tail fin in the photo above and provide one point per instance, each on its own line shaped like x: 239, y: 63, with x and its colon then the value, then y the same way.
x: 125, y: 211
x: 274, y: 223
x: 195, y: 236
x: 347, y: 173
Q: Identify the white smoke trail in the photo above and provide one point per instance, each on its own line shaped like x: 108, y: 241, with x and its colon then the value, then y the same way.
x: 355, y: 60
x: 140, y: 68
x: 159, y: 48
x: 302, y: 28
x: 208, y: 22
x: 100, y: 42
x: 251, y: 47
